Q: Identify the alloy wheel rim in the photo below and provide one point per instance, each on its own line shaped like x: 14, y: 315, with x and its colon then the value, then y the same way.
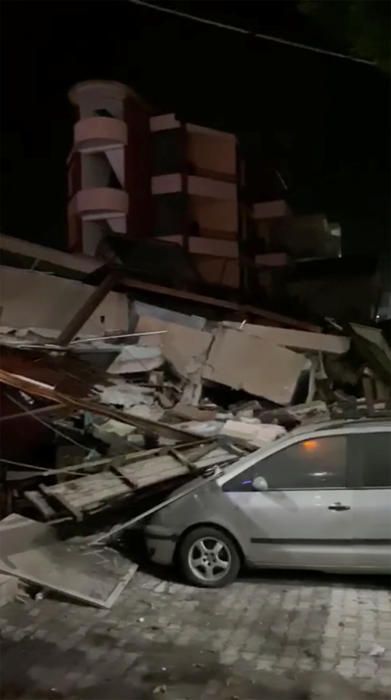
x: 209, y: 559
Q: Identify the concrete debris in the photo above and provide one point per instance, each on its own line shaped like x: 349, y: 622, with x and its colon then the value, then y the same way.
x: 193, y: 413
x: 373, y: 349
x: 185, y: 349
x: 113, y: 427
x: 166, y: 315
x: 27, y: 301
x: 259, y: 367
x: 32, y: 552
x: 123, y: 394
x: 290, y: 416
x: 377, y: 650
x: 125, y: 420
x: 254, y: 434
x: 159, y: 689
x: 9, y: 589
x: 204, y: 429
x: 246, y: 414
x: 246, y: 408
x: 150, y: 411
x: 136, y: 358
x: 26, y: 336
x: 120, y: 404
x: 296, y: 340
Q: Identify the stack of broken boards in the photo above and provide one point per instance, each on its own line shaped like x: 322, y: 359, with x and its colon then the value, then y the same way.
x: 122, y: 477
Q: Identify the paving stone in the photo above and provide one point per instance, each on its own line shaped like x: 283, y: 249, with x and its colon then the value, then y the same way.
x: 248, y: 631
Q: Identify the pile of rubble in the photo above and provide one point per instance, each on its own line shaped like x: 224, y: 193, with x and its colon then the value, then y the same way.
x: 114, y: 423
x: 175, y: 379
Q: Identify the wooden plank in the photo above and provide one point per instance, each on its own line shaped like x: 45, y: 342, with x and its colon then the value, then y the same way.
x: 87, y: 309
x: 41, y: 503
x: 145, y: 424
x: 201, y: 451
x: 105, y: 537
x: 117, y: 460
x: 153, y: 466
x: 79, y: 493
x: 273, y: 316
x: 160, y: 465
x: 44, y: 410
x: 123, y: 477
x: 63, y: 501
x: 191, y: 467
x: 215, y: 457
x: 86, y: 492
x: 157, y: 476
x: 147, y: 481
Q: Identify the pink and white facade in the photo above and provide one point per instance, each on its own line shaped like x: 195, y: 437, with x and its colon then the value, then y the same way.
x: 133, y: 175
x: 108, y: 176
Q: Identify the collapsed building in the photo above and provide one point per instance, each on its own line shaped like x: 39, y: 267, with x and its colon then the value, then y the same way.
x: 186, y: 325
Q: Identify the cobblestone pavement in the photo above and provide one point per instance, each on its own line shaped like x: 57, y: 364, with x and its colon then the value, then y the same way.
x: 274, y: 636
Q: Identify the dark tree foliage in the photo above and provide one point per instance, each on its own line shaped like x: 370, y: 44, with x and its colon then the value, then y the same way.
x: 363, y: 26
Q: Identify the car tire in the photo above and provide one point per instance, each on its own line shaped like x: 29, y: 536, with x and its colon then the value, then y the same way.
x: 211, y: 572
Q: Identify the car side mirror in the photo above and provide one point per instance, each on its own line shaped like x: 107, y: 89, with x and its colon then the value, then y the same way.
x: 260, y: 484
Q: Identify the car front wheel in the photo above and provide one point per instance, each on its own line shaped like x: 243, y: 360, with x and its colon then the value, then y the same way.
x: 209, y: 558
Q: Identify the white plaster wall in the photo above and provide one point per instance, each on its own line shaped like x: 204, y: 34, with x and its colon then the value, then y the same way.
x: 30, y: 299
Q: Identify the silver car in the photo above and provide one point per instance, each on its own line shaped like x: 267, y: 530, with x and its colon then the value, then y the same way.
x: 319, y: 499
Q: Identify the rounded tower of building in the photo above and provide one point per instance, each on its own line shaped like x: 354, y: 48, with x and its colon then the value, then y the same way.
x: 102, y: 163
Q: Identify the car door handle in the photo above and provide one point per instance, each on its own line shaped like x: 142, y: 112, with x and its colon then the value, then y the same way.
x: 338, y: 506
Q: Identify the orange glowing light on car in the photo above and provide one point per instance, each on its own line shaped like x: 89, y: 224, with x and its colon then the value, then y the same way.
x: 310, y: 445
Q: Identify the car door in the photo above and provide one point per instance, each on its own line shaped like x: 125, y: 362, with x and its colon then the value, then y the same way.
x: 304, y: 518
x: 370, y: 474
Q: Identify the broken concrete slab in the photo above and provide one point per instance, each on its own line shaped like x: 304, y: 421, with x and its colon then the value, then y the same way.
x: 121, y: 393
x: 112, y: 428
x: 254, y: 434
x: 9, y: 587
x: 36, y: 299
x: 290, y: 416
x: 136, y: 358
x: 373, y: 348
x: 184, y: 348
x: 153, y: 412
x: 32, y: 552
x: 139, y: 308
x: 258, y: 366
x: 205, y: 429
x: 193, y: 413
x: 296, y: 340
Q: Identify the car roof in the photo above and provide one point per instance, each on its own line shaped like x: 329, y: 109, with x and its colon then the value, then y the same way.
x: 377, y: 423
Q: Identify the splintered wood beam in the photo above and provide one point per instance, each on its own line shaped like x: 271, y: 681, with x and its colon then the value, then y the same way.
x: 45, y: 391
x: 88, y: 308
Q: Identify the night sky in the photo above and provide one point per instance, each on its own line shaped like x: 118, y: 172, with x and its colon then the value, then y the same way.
x: 323, y: 121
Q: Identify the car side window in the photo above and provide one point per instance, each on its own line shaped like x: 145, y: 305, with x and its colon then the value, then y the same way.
x: 310, y: 464
x: 372, y: 460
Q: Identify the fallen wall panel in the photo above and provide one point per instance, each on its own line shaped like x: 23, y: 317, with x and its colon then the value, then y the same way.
x: 35, y: 299
x: 259, y: 367
x: 32, y: 552
x: 299, y: 340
